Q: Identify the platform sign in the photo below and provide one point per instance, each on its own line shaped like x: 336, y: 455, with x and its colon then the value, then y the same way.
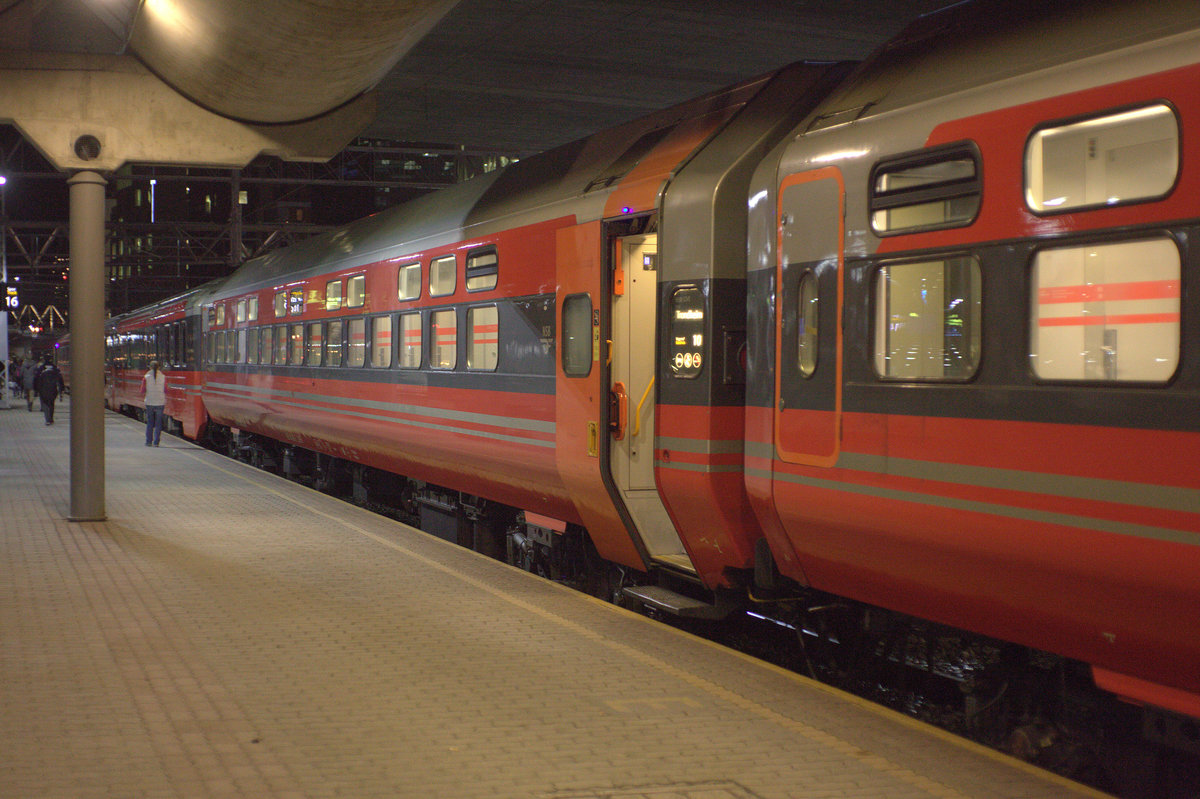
x: 11, y: 303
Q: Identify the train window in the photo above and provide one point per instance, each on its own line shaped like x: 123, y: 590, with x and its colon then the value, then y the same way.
x: 1106, y: 312
x: 296, y: 302
x: 482, y: 269
x: 358, y: 342
x: 443, y: 339
x: 410, y: 341
x: 687, y: 353
x: 927, y: 324
x: 237, y: 348
x: 267, y: 344
x: 316, y: 344
x: 356, y: 295
x: 333, y: 295
x: 189, y: 339
x: 252, y: 345
x: 252, y: 309
x: 443, y: 276
x: 807, y: 317
x: 927, y: 190
x: 280, y: 303
x: 1118, y: 158
x: 483, y: 335
x: 222, y: 346
x: 281, y: 345
x: 381, y: 342
x: 408, y: 282
x: 220, y: 314
x: 296, y: 346
x: 334, y: 343
x: 581, y: 340
x: 241, y: 310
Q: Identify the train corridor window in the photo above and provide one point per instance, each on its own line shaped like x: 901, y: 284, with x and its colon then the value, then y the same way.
x: 267, y: 344
x: 443, y: 339
x: 579, y: 350
x: 335, y: 343
x: 807, y: 317
x: 381, y: 342
x: 252, y: 309
x: 410, y: 341
x: 333, y: 295
x: 316, y: 344
x: 356, y: 293
x: 281, y: 345
x: 443, y: 276
x: 1106, y: 312
x: 280, y: 303
x: 928, y: 320
x: 482, y: 269
x: 926, y: 190
x: 408, y: 282
x: 1117, y: 158
x: 483, y: 336
x: 296, y: 346
x: 357, y: 341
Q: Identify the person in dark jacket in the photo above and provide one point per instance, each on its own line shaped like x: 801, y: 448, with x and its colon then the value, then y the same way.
x: 49, y: 384
x: 28, y: 376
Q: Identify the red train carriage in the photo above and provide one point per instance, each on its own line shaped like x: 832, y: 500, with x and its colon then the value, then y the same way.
x: 917, y: 334
x: 975, y: 396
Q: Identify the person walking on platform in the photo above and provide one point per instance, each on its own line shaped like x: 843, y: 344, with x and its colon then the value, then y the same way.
x: 154, y: 391
x: 49, y: 383
x: 28, y: 377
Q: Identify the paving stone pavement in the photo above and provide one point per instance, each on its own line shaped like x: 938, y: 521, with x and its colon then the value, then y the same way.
x: 225, y: 633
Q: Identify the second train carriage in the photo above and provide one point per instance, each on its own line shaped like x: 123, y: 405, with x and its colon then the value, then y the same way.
x: 921, y: 336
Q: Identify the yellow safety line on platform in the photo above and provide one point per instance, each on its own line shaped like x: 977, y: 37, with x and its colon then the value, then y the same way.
x: 874, y: 761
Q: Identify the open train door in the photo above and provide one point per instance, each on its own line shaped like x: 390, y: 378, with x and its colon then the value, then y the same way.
x: 634, y: 293
x: 808, y: 319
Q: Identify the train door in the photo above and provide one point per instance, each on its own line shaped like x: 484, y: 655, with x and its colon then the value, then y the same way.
x: 808, y: 319
x: 632, y: 371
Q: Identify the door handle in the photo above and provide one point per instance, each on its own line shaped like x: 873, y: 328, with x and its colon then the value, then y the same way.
x: 618, y: 411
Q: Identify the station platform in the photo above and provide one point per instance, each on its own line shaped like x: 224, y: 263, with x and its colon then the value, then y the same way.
x: 227, y: 633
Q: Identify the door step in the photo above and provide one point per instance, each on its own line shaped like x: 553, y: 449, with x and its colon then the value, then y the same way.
x: 667, y: 601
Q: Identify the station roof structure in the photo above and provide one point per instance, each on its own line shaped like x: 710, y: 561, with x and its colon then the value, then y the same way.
x: 507, y: 75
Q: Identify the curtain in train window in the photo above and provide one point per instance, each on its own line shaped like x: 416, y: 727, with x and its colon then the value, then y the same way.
x: 333, y: 295
x: 281, y: 345
x: 334, y: 343
x: 316, y: 344
x: 443, y: 276
x: 381, y: 342
x: 357, y: 342
x: 297, y: 346
x: 410, y: 341
x: 443, y: 339
x: 1106, y: 312
x: 928, y: 316
x: 408, y: 282
x: 267, y: 344
x: 1123, y: 157
x: 356, y: 291
x: 483, y: 334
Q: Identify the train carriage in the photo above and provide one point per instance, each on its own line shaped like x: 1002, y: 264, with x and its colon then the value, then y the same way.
x: 977, y: 399
x: 916, y: 336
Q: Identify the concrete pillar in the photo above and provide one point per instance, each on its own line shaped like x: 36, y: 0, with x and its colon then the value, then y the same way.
x: 87, y: 346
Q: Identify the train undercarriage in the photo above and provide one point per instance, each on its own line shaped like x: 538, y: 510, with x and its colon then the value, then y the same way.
x: 1033, y: 705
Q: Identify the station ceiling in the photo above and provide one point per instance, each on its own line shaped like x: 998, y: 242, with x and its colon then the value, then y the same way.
x: 513, y: 76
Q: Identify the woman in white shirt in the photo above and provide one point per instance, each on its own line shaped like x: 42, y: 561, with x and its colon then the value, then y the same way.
x: 154, y: 390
